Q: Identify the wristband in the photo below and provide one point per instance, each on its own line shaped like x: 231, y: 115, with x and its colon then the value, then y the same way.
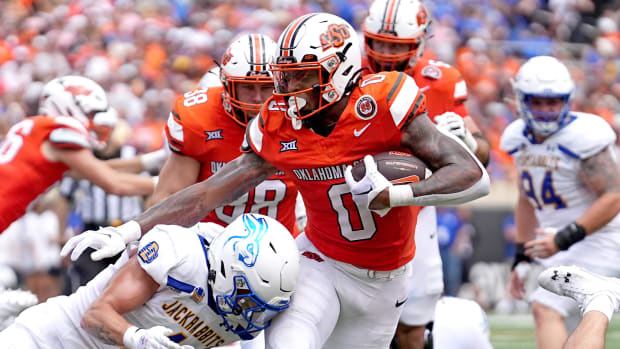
x: 568, y: 235
x: 401, y: 195
x: 520, y: 256
x: 128, y: 340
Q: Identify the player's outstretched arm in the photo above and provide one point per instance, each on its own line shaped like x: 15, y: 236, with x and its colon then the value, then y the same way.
x: 191, y: 204
x: 84, y: 163
x: 457, y: 177
x: 185, y: 207
x: 128, y: 289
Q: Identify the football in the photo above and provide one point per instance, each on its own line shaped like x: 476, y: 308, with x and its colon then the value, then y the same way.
x: 396, y: 166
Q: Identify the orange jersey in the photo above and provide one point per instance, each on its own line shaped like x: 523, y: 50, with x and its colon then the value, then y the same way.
x: 24, y: 170
x: 442, y: 84
x: 373, y: 121
x: 198, y: 127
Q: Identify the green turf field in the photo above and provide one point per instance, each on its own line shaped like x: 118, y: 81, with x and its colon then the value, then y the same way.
x: 517, y: 332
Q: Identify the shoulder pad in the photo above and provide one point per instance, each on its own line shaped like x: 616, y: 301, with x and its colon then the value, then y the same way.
x: 159, y: 252
x: 253, y: 140
x: 208, y: 230
x: 70, y: 122
x: 174, y: 132
x: 70, y: 138
x: 586, y: 135
x: 512, y: 137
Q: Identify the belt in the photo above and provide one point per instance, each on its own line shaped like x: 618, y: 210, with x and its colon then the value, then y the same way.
x: 371, y: 274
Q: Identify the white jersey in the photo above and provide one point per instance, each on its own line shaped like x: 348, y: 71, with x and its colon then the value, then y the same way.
x: 460, y: 324
x: 175, y: 257
x: 549, y: 171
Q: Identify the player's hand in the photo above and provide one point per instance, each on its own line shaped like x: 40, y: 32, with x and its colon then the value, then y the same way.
x: 544, y: 245
x: 369, y: 187
x: 517, y: 280
x: 453, y: 123
x: 107, y: 241
x: 152, y: 338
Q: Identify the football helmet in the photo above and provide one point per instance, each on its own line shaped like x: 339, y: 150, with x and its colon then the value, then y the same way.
x: 254, y: 264
x: 83, y: 99
x: 246, y: 61
x: 317, y: 47
x: 395, y: 22
x: 544, y: 77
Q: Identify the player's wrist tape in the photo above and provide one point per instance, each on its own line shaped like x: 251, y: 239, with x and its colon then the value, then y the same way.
x: 520, y: 256
x: 128, y: 337
x: 130, y: 231
x: 568, y: 235
x: 400, y: 195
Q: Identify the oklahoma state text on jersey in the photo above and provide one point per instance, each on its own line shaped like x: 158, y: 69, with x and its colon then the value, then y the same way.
x: 198, y: 127
x: 372, y: 122
x: 24, y: 170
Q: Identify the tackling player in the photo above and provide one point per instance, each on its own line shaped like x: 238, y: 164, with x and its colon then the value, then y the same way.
x: 569, y: 189
x: 358, y: 242
x: 38, y: 150
x: 184, y: 288
x: 395, y: 37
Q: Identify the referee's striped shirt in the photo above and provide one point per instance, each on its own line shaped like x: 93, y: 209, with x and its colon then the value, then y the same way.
x: 97, y: 208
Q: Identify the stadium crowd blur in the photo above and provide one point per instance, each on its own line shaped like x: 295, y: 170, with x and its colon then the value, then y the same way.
x: 145, y: 52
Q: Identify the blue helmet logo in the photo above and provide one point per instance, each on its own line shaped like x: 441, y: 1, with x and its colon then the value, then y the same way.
x: 247, y: 246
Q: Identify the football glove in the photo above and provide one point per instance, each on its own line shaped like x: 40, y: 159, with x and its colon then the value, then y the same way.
x: 453, y: 123
x: 152, y: 338
x: 366, y: 189
x: 108, y: 241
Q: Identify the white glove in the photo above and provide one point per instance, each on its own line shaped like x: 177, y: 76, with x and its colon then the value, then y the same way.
x: 12, y: 302
x: 453, y: 123
x: 107, y: 241
x: 153, y: 338
x: 366, y: 189
x: 154, y: 160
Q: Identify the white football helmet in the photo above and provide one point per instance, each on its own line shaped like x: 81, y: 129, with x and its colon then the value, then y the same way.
x: 81, y: 98
x: 321, y: 44
x: 246, y: 61
x: 397, y: 22
x: 254, y: 264
x: 545, y: 77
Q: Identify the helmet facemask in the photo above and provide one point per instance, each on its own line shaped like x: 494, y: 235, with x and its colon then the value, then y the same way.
x: 243, y: 311
x: 311, y: 78
x: 242, y: 112
x: 381, y: 61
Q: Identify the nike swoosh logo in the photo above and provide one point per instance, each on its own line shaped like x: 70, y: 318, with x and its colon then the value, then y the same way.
x: 398, y: 304
x: 357, y: 133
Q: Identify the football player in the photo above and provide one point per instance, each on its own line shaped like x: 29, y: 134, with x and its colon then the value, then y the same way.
x: 569, y: 189
x: 358, y: 242
x: 199, y: 287
x: 394, y: 38
x: 38, y: 150
x: 205, y: 130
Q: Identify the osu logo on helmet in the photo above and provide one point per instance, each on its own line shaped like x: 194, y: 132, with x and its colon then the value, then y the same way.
x: 334, y: 36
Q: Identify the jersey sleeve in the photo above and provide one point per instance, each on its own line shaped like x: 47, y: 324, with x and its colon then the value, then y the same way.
x: 174, y: 130
x: 404, y: 99
x: 158, y: 253
x: 512, y: 138
x: 588, y: 135
x: 253, y: 140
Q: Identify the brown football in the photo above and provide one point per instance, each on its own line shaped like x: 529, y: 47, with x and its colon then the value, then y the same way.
x: 396, y: 166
